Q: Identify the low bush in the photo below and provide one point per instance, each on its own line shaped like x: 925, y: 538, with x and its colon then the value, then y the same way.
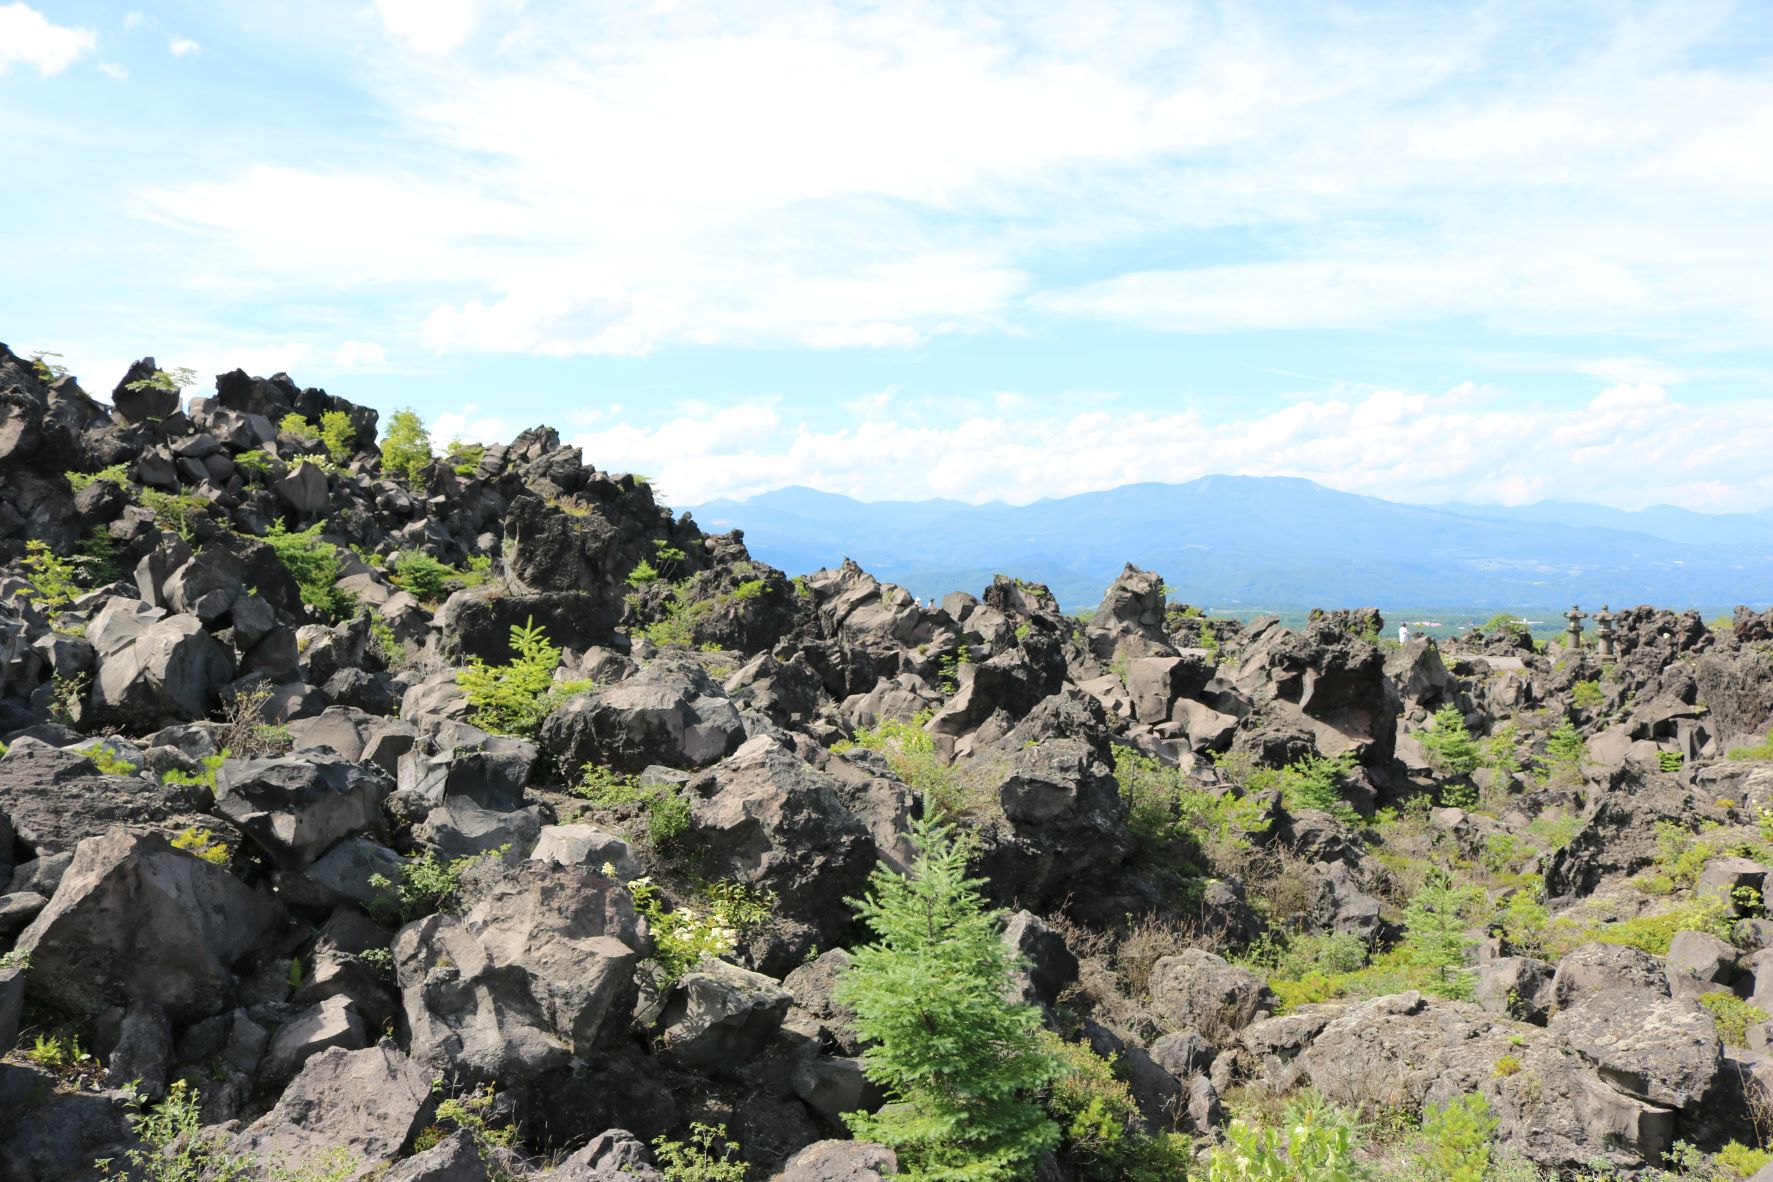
x: 514, y: 698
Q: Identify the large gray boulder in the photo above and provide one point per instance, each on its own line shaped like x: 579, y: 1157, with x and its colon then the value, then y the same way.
x: 55, y: 798
x: 1197, y: 990
x: 719, y: 1015
x: 671, y: 712
x: 840, y: 1161
x: 767, y: 819
x: 539, y: 971
x: 153, y: 668
x: 1401, y: 1052
x: 1645, y: 1044
x: 136, y: 921
x: 365, y: 1104
x: 296, y: 808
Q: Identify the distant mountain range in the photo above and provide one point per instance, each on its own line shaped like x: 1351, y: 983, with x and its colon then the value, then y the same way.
x: 1244, y: 542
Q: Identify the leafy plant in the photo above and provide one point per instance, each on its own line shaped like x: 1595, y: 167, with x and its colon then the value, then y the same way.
x: 910, y: 751
x: 706, y: 1157
x: 472, y: 1113
x: 962, y: 1066
x: 202, y: 843
x: 1435, y: 929
x: 1732, y: 1016
x: 173, y: 1144
x: 406, y: 448
x: 1669, y: 761
x: 749, y: 589
x: 314, y: 565
x: 48, y: 372
x: 1313, y: 1143
x: 1102, y: 1131
x: 117, y: 474
x: 514, y: 698
x: 1448, y: 746
x: 1456, y: 1140
x: 422, y: 575
x: 299, y: 427
x: 18, y: 958
x: 428, y: 885
x: 684, y: 935
x: 167, y: 381
x: 1564, y: 752
x: 1761, y: 750
x: 50, y: 576
x: 643, y: 573
x: 180, y: 511
x: 338, y: 436
x: 464, y: 458
x: 1587, y: 695
x: 108, y: 762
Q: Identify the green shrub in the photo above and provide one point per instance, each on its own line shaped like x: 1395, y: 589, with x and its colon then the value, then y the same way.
x: 1436, y: 931
x: 682, y: 936
x: 203, y: 844
x: 910, y: 751
x: 1587, y: 695
x: 1314, y: 782
x: 406, y: 448
x: 1448, y: 746
x: 174, y: 1146
x: 167, y: 381
x: 314, y: 565
x: 117, y: 474
x: 108, y: 762
x: 1313, y: 1143
x: 1669, y: 761
x: 1761, y: 750
x: 706, y: 1157
x: 962, y: 1067
x: 514, y: 698
x: 749, y: 589
x: 1102, y: 1131
x: 180, y: 511
x: 1732, y: 1016
x: 1741, y: 1161
x: 422, y: 576
x: 472, y: 1113
x: 1564, y: 752
x: 1456, y: 1140
x: 643, y: 573
x: 299, y: 427
x: 667, y: 813
x: 203, y: 778
x: 338, y: 436
x: 51, y: 577
x: 427, y: 885
x: 1504, y: 622
x: 1164, y: 806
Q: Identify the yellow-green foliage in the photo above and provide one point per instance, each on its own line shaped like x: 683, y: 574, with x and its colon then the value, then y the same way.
x: 1311, y: 1143
x: 338, y: 436
x: 710, y: 928
x: 298, y: 426
x: 472, y: 1113
x: 708, y: 1156
x: 1761, y: 750
x: 117, y: 474
x: 203, y: 844
x: 514, y: 698
x: 1587, y: 695
x: 1102, y: 1131
x: 180, y: 511
x: 1732, y: 1016
x: 667, y: 813
x: 1164, y: 806
x: 406, y: 449
x: 109, y: 763
x: 314, y: 565
x: 1448, y: 746
x: 1456, y: 1141
x: 1565, y: 749
x: 911, y: 752
x: 426, y: 884
x: 50, y: 576
x: 1741, y: 1161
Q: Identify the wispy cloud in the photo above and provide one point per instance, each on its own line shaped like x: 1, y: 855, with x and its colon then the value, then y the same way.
x: 1628, y: 445
x: 182, y: 46
x: 715, y: 174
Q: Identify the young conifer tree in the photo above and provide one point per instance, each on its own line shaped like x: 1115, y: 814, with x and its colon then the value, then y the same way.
x: 961, y: 1065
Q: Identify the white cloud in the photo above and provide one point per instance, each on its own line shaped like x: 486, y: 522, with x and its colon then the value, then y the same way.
x: 434, y: 26
x: 615, y: 179
x: 1630, y: 446
x: 182, y: 46
x: 28, y: 38
x: 470, y: 426
x: 114, y: 71
x: 134, y: 19
x: 359, y: 355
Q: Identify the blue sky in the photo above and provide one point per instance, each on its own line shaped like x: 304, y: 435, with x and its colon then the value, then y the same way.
x: 1496, y: 252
